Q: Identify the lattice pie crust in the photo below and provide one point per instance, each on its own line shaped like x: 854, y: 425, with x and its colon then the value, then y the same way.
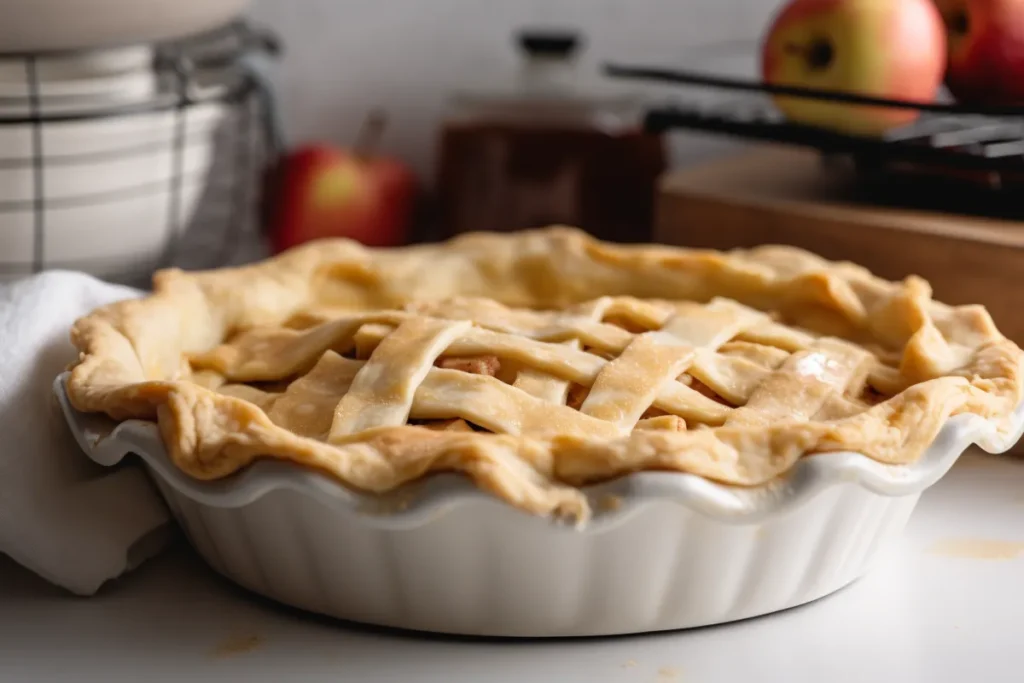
x: 539, y: 362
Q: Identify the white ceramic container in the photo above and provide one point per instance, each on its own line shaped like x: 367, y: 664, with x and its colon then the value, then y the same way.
x: 664, y: 551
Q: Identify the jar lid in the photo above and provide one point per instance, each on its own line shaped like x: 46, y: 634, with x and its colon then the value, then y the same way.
x: 549, y: 42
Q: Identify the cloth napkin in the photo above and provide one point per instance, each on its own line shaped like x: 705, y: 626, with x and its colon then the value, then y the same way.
x: 71, y: 521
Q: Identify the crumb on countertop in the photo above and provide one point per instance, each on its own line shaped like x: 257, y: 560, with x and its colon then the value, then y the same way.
x: 237, y: 644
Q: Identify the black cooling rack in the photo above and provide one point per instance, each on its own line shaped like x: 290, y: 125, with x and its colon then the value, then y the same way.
x: 987, y: 139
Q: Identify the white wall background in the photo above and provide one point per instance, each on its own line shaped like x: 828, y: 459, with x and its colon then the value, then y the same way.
x: 345, y: 56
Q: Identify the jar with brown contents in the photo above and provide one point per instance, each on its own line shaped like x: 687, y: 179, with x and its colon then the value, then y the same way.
x: 548, y: 151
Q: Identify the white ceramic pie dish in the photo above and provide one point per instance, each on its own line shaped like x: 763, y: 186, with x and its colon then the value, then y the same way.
x: 663, y: 550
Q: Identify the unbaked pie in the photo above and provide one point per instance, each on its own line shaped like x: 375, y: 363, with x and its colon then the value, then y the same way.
x: 539, y: 362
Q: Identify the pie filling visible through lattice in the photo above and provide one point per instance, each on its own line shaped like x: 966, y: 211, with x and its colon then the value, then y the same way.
x: 539, y: 362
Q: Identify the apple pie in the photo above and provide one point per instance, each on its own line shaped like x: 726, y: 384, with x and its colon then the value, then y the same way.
x: 538, y: 362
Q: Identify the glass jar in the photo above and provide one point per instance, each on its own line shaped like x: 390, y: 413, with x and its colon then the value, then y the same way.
x: 556, y: 147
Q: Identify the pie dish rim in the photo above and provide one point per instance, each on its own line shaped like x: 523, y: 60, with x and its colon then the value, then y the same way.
x: 107, y: 442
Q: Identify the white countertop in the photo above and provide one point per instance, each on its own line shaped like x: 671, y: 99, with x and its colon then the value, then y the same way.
x: 944, y: 604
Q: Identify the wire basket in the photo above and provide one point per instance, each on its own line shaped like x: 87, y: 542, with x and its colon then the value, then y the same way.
x: 159, y: 165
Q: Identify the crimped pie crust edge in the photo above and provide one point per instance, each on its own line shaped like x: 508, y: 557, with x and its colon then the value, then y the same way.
x: 131, y: 359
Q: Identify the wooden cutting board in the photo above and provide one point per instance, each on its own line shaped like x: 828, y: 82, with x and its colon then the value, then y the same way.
x: 789, y: 196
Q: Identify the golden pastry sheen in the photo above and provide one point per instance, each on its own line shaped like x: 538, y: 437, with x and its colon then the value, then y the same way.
x: 539, y: 362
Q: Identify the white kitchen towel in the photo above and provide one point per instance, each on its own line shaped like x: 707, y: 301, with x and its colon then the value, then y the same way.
x: 69, y: 520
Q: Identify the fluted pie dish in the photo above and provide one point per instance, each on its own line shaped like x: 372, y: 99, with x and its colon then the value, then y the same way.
x: 754, y: 407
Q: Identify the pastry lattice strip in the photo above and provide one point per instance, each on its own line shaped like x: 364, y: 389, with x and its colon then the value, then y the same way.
x: 399, y: 382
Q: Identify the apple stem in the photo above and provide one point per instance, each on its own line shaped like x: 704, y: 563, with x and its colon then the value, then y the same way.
x: 370, y: 134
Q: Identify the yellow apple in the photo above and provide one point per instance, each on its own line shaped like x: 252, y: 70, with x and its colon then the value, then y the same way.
x: 880, y: 48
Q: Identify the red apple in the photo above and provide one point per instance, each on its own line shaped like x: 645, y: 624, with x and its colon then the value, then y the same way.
x: 986, y: 50
x: 880, y: 48
x: 320, y: 190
